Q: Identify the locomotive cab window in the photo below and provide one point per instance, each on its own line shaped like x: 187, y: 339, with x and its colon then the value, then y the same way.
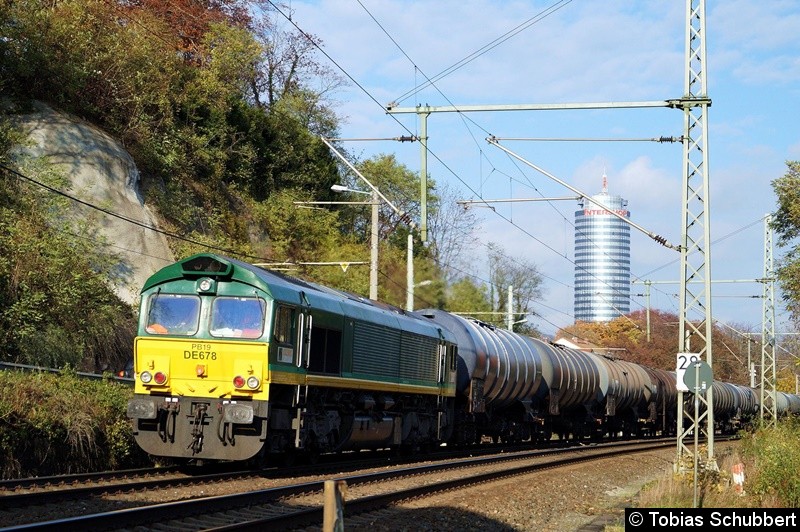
x: 237, y: 317
x: 173, y: 314
x: 284, y: 320
x: 283, y: 333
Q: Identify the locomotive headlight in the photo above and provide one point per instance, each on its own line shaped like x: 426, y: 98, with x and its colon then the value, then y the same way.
x: 238, y: 381
x: 141, y: 409
x: 160, y: 377
x: 205, y: 285
x: 238, y: 414
x: 146, y: 377
x: 253, y: 382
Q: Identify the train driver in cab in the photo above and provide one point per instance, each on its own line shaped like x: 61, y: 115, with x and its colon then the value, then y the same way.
x: 237, y: 317
x: 173, y: 314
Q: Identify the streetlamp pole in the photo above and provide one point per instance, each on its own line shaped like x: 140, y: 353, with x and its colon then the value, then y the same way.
x: 410, y: 273
x: 404, y: 217
x: 376, y: 194
x: 373, y: 262
x: 373, y: 235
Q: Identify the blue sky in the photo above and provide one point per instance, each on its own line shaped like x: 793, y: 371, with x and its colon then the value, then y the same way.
x: 581, y: 51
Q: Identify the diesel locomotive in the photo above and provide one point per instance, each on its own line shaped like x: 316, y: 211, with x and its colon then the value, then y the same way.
x: 236, y: 363
x: 233, y: 362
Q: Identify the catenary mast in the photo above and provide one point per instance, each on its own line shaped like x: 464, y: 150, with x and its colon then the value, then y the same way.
x: 694, y: 322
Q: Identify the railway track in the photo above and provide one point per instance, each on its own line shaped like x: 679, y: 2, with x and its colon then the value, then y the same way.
x: 294, y: 504
x: 34, y: 491
x: 16, y: 484
x: 48, y: 490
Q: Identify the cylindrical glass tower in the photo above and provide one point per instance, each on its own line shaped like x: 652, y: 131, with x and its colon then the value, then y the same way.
x: 602, y: 258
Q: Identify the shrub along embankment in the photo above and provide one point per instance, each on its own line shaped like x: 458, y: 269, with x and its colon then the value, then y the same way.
x: 770, y: 460
x: 54, y: 424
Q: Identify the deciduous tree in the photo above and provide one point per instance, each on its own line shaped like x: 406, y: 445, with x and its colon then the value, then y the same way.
x: 521, y: 274
x: 787, y: 225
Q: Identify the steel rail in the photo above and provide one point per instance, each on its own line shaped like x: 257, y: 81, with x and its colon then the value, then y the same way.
x: 268, y: 515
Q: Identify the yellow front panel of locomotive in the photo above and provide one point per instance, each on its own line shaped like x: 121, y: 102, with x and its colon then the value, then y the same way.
x: 202, y: 368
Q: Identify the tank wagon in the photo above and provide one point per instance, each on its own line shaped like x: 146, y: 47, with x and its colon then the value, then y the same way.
x: 735, y: 406
x: 514, y: 388
x: 502, y: 380
x: 661, y: 413
x: 787, y: 404
x: 234, y: 362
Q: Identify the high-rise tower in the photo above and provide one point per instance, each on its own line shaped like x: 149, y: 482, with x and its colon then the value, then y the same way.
x: 602, y: 258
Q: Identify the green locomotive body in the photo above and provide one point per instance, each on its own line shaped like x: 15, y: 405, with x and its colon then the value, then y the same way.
x: 234, y: 362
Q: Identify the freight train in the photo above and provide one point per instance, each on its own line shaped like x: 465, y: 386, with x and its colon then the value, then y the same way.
x: 236, y: 363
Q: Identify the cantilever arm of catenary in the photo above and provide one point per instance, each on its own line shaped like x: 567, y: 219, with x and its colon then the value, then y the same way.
x: 403, y: 215
x: 658, y: 238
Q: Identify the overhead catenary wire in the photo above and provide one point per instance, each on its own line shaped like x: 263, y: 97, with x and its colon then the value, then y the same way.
x: 662, y: 139
x: 433, y: 153
x: 462, y: 115
x: 480, y: 51
x: 131, y: 220
x: 166, y: 233
x: 219, y: 248
x: 153, y: 228
x: 655, y: 237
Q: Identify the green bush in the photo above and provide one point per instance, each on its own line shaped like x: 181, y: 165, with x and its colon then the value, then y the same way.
x: 776, y: 453
x: 58, y: 423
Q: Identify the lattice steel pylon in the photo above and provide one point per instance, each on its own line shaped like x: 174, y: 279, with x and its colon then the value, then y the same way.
x: 768, y: 373
x: 695, y: 275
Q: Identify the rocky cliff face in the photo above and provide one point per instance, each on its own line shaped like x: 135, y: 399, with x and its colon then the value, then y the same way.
x: 102, y: 174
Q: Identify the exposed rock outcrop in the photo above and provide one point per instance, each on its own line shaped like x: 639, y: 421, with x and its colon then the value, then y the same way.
x: 102, y: 174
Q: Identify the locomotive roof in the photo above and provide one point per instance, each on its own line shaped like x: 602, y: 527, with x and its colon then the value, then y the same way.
x: 292, y: 290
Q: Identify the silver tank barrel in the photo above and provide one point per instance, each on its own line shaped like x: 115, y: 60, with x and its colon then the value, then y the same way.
x: 577, y: 378
x: 786, y: 404
x: 629, y: 384
x: 724, y: 398
x: 750, y: 404
x: 665, y: 390
x: 510, y: 365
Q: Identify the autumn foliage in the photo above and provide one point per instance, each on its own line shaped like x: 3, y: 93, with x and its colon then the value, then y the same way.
x: 629, y: 333
x: 189, y: 20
